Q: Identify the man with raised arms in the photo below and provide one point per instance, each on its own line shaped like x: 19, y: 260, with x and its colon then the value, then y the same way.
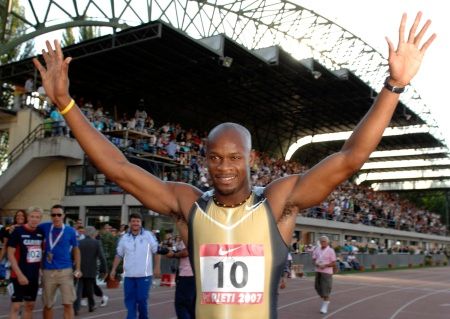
x: 237, y: 234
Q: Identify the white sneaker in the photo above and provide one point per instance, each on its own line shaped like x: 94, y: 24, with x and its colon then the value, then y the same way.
x: 324, y: 308
x: 83, y: 302
x: 104, y: 301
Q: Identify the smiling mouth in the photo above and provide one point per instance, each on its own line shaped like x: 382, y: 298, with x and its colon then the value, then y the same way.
x: 225, y: 179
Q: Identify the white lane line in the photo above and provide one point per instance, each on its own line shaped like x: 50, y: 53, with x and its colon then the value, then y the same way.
x: 315, y: 297
x: 370, y: 297
x: 414, y: 300
x: 124, y: 310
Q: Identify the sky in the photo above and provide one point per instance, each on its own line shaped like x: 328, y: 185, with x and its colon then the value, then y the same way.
x: 372, y: 21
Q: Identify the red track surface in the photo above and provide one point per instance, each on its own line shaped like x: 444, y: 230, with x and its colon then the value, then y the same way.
x: 400, y: 294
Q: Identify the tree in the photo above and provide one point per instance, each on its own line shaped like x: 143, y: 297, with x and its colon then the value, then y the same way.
x: 13, y: 28
x: 87, y: 33
x: 68, y: 38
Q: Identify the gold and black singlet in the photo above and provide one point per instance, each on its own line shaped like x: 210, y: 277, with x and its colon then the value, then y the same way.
x: 238, y: 256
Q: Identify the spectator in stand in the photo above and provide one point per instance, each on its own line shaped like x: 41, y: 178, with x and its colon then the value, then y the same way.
x: 324, y: 259
x: 140, y: 115
x: 59, y: 124
x: 24, y: 253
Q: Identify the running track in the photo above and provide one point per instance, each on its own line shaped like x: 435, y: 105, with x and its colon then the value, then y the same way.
x: 398, y: 294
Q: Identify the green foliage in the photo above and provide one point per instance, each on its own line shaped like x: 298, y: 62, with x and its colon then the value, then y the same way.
x: 14, y: 27
x: 109, y: 243
x: 363, y: 249
x: 87, y: 33
x: 68, y: 37
x: 372, y: 250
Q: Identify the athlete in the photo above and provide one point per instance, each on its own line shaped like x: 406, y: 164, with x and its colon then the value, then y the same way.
x: 237, y: 235
x: 25, y: 254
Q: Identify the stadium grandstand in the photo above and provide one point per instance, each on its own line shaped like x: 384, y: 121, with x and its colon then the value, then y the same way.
x: 299, y: 100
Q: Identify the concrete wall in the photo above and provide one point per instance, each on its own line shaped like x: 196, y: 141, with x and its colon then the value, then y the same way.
x: 44, y: 191
x: 379, y: 260
x: 26, y: 121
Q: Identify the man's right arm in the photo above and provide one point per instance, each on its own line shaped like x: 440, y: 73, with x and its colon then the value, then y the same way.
x: 163, y: 197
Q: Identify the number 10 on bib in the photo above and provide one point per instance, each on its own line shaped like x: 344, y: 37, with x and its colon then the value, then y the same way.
x: 232, y: 274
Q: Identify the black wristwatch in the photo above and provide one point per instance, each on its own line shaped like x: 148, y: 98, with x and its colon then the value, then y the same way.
x: 394, y: 89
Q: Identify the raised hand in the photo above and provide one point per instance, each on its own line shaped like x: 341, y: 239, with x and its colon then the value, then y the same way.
x: 55, y: 73
x: 404, y: 62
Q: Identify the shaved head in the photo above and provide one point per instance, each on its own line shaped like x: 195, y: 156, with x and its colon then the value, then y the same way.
x: 229, y: 127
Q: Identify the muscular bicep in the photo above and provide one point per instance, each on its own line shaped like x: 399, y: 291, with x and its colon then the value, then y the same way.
x: 317, y: 183
x: 310, y: 188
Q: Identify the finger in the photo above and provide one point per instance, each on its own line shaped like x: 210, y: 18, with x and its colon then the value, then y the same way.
x: 68, y: 60
x: 426, y: 45
x: 58, y: 49
x: 412, y: 31
x: 422, y: 32
x: 50, y: 50
x: 401, y: 31
x: 39, y: 67
x: 390, y: 46
x: 46, y: 57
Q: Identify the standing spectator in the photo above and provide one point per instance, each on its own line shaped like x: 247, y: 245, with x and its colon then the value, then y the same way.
x: 91, y: 251
x: 185, y: 283
x: 136, y: 248
x: 20, y: 218
x: 58, y: 122
x: 324, y: 259
x: 24, y: 254
x: 140, y: 115
x: 61, y: 254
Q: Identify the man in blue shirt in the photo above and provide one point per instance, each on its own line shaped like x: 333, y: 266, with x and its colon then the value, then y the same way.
x: 136, y: 247
x: 60, y: 256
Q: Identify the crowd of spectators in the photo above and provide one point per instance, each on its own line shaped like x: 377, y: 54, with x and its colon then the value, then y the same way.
x: 348, y: 203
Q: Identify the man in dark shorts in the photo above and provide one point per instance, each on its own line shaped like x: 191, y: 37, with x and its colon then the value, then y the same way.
x: 25, y: 254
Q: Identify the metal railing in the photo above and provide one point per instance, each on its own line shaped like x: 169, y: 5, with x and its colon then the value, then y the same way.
x: 41, y: 131
x: 35, y: 134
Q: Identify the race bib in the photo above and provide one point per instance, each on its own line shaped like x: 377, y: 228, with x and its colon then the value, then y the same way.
x: 34, y: 254
x: 232, y: 274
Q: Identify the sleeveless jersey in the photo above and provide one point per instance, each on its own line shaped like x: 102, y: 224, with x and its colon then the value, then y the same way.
x: 238, y: 257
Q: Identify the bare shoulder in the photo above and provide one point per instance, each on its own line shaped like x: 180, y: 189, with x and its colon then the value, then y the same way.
x: 186, y: 195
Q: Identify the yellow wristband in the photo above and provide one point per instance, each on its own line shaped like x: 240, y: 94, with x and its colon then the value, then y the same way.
x: 68, y: 107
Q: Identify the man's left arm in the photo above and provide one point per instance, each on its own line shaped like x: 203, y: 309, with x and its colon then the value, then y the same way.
x: 312, y: 187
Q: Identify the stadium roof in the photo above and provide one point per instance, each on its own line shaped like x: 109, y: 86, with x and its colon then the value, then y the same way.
x: 195, y: 83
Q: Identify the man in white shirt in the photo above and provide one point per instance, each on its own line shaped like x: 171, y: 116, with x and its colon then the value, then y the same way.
x: 136, y: 248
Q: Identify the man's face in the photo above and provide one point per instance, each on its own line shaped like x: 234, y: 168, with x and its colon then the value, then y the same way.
x: 34, y: 218
x: 228, y: 163
x: 323, y: 243
x: 57, y: 216
x: 135, y: 224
